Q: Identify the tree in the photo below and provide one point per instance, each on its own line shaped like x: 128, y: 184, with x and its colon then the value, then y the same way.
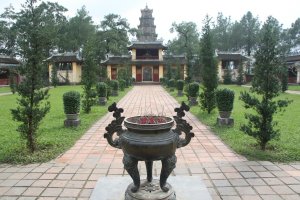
x: 241, y: 73
x: 54, y: 78
x: 250, y: 29
x: 186, y: 43
x: 89, y: 77
x: 221, y: 32
x: 32, y: 104
x: 209, y: 68
x: 266, y: 83
x: 74, y: 33
x: 113, y: 34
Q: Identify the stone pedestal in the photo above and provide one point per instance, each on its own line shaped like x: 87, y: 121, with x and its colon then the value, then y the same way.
x: 72, y: 123
x: 225, y: 121
x: 185, y: 188
x: 150, y: 191
x: 180, y: 93
x: 193, y: 101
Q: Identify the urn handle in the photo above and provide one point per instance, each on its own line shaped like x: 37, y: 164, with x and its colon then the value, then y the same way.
x: 183, y: 126
x: 115, y: 126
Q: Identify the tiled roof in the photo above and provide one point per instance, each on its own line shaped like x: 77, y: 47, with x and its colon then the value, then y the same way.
x: 231, y: 56
x: 147, y: 45
x: 114, y: 60
x: 65, y: 57
x: 8, y: 60
x: 293, y: 58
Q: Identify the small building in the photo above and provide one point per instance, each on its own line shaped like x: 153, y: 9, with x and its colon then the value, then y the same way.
x: 231, y: 61
x: 293, y: 64
x: 8, y: 67
x: 68, y: 65
x: 147, y: 61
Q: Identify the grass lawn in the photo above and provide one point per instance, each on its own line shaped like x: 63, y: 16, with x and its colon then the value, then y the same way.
x: 285, y: 149
x: 294, y: 87
x: 4, y: 89
x: 54, y: 138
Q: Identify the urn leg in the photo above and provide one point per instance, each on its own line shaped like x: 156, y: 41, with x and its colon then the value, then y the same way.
x: 168, y: 164
x: 130, y: 164
x: 149, y: 166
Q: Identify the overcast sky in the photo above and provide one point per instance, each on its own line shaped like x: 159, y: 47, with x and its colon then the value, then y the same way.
x: 167, y: 11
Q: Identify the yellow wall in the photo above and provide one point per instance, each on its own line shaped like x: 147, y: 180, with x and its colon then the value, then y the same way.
x: 161, y: 71
x: 109, y: 71
x: 160, y: 54
x: 133, y: 69
x: 77, y: 74
x: 133, y: 54
x: 74, y: 74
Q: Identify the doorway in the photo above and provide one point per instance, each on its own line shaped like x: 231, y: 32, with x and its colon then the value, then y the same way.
x: 147, y: 73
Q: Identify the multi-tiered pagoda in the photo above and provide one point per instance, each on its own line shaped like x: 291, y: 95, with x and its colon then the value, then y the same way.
x: 147, y: 60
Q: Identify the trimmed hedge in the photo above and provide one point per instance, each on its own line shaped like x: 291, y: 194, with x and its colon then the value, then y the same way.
x: 71, y: 102
x: 225, y: 99
x: 101, y: 89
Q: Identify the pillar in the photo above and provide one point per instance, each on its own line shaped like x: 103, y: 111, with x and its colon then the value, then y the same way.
x: 109, y: 71
x: 50, y: 71
x: 133, y: 70
x: 74, y: 72
x: 185, y: 71
x: 161, y: 71
x: 160, y: 54
x: 133, y: 54
x: 298, y: 75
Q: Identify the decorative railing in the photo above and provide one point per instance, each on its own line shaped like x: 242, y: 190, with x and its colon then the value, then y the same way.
x: 146, y: 57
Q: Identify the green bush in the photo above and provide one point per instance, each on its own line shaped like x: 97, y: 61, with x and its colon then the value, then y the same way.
x: 122, y: 84
x: 114, y: 85
x: 101, y: 89
x: 225, y: 98
x: 193, y: 89
x: 180, y: 84
x: 171, y: 83
x: 162, y: 80
x: 71, y: 102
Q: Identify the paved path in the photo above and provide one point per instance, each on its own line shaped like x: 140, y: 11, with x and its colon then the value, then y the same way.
x: 74, y: 174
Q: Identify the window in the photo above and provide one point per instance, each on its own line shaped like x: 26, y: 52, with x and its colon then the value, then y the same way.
x: 64, y: 66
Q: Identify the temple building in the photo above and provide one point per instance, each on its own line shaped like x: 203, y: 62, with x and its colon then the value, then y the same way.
x: 147, y: 61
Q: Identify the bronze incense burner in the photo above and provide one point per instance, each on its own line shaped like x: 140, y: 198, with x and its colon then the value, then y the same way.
x: 149, y: 138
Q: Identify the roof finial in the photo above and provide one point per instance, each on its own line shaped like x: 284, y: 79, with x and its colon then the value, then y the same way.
x: 146, y: 6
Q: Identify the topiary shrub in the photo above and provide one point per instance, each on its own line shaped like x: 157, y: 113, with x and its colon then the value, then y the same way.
x: 180, y: 84
x: 101, y: 89
x: 162, y: 80
x: 225, y: 99
x: 71, y: 102
x: 193, y: 89
x: 171, y: 83
x: 122, y: 84
x: 114, y: 87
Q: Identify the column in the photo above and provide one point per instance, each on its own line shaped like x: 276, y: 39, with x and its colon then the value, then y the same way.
x: 133, y: 70
x: 109, y: 71
x: 161, y: 71
x: 50, y: 71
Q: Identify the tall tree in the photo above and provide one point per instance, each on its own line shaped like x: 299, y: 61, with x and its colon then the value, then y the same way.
x: 209, y: 68
x: 32, y: 104
x: 114, y: 32
x: 221, y: 32
x: 187, y: 42
x: 235, y: 37
x: 74, y: 33
x: 265, y: 83
x: 89, y: 73
x: 250, y: 29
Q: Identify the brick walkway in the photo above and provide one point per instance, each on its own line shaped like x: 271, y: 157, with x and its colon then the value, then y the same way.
x: 74, y: 174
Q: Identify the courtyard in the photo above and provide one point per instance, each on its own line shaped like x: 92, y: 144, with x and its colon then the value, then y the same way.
x: 226, y: 174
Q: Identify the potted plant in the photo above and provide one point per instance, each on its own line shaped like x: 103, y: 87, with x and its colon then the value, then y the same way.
x: 171, y: 84
x: 225, y: 99
x: 102, y: 92
x: 180, y: 85
x: 71, y: 101
x: 114, y: 87
x: 193, y: 92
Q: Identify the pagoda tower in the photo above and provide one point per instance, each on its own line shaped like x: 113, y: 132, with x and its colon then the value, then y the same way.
x: 146, y: 29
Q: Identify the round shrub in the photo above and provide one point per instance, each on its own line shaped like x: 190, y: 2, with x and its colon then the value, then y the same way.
x: 122, y: 84
x: 71, y: 102
x: 193, y: 89
x: 225, y: 98
x: 162, y: 80
x: 171, y: 83
x: 180, y: 84
x: 101, y: 89
x: 114, y: 85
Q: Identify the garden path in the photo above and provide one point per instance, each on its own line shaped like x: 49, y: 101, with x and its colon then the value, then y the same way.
x: 226, y: 174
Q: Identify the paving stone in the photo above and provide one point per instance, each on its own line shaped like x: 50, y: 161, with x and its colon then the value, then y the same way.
x: 70, y: 192
x: 296, y: 188
x: 15, y: 191
x: 271, y: 197
x: 245, y: 191
x: 52, y: 192
x: 264, y: 190
x: 238, y: 182
x: 33, y: 191
x: 291, y: 197
x: 226, y: 191
x: 251, y: 197
x: 273, y: 181
x: 282, y: 189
